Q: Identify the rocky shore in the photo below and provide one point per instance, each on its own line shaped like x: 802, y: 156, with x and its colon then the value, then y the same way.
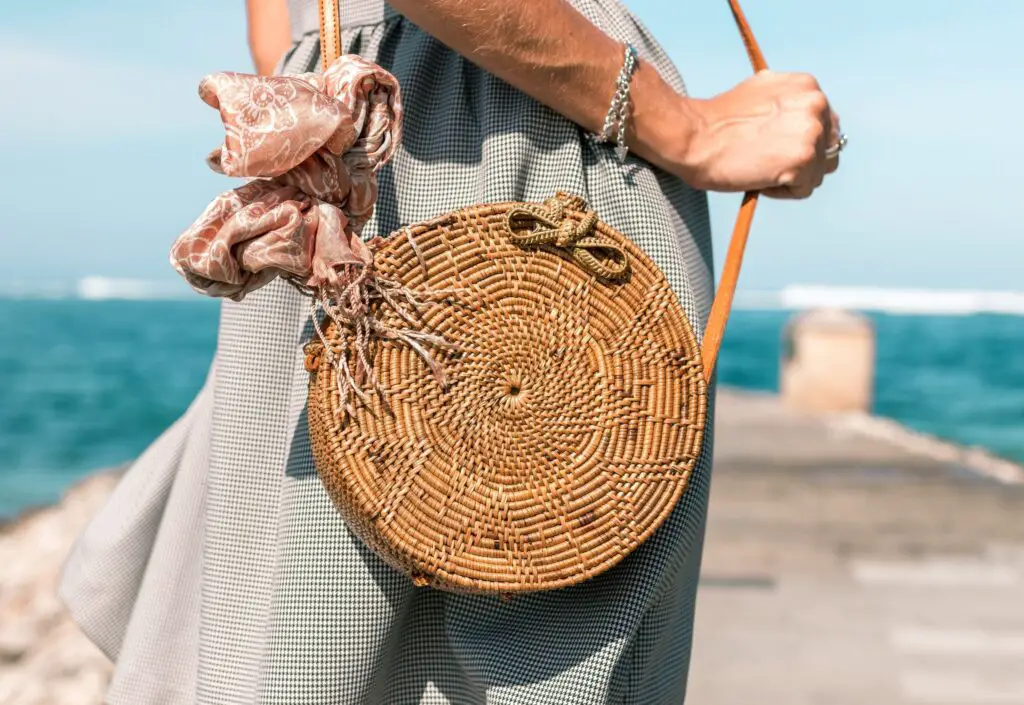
x: 44, y: 658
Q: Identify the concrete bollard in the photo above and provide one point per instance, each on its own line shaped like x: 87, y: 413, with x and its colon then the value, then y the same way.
x: 828, y: 362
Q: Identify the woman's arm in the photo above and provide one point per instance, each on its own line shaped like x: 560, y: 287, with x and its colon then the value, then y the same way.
x: 769, y: 132
x: 269, y: 33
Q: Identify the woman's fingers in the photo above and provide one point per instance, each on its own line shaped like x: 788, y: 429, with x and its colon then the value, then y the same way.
x: 809, y: 175
x: 832, y: 164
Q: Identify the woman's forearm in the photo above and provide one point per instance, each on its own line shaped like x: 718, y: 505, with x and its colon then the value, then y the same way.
x: 770, y: 132
x: 268, y: 32
x: 551, y: 52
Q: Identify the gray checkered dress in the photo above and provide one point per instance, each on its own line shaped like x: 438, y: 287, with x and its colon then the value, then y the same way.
x: 219, y: 572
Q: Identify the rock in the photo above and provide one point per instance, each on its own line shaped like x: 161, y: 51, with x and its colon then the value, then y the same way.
x: 828, y: 362
x: 44, y: 658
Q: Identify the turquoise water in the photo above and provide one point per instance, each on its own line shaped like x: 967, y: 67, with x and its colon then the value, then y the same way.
x: 89, y: 384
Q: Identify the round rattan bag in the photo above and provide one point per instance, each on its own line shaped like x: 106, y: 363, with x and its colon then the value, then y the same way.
x: 571, y: 418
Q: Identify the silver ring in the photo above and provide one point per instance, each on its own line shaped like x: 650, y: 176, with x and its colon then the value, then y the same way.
x: 833, y: 151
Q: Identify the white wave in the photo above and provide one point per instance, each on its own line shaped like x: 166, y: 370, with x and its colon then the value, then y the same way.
x: 96, y: 288
x: 908, y: 301
x: 796, y: 297
x: 99, y: 288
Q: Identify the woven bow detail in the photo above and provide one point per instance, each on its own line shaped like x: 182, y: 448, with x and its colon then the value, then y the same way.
x: 531, y: 225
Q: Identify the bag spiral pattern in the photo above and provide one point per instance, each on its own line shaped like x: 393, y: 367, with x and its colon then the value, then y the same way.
x: 572, y: 418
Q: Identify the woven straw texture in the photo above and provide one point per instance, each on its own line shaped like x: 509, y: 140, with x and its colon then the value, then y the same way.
x: 573, y: 415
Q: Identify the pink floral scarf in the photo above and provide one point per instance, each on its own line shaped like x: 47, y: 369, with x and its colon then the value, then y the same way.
x: 312, y: 144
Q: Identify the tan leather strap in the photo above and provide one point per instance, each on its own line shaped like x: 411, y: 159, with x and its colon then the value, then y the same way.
x: 722, y: 305
x: 330, y: 49
x: 330, y: 32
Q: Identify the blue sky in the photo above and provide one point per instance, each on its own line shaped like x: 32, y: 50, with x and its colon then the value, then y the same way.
x: 102, y: 137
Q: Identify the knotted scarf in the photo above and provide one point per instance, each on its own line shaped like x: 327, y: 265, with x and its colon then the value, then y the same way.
x: 311, y: 143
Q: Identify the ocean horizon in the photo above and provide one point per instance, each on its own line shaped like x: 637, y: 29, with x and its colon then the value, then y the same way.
x: 793, y: 297
x: 93, y: 374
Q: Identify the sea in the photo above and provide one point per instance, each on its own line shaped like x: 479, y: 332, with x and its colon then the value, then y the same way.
x: 89, y: 381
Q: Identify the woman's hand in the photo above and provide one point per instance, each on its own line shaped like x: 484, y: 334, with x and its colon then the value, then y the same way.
x: 770, y: 134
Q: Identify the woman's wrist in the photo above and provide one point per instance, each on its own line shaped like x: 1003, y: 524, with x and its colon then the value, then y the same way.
x: 685, y: 124
x: 664, y: 123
